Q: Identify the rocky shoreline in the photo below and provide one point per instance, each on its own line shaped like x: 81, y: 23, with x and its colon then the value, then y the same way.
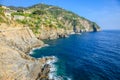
x: 15, y: 63
x: 45, y: 71
x: 20, y: 33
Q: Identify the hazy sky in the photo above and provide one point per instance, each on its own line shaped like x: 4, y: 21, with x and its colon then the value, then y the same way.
x: 105, y: 13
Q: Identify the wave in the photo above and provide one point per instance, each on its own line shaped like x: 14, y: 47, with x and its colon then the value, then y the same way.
x: 72, y: 33
x: 53, y: 69
x: 32, y: 51
x: 45, y: 45
x: 51, y: 60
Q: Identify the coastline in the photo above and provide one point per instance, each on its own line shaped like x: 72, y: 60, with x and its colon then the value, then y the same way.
x: 48, y: 69
x: 20, y: 34
x: 21, y: 45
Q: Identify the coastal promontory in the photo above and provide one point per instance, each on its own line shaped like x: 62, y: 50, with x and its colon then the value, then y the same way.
x: 22, y: 29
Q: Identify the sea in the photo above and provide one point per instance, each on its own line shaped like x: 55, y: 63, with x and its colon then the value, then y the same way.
x: 86, y: 56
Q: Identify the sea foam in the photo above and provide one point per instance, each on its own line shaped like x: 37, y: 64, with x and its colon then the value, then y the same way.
x: 53, y: 69
x: 32, y: 51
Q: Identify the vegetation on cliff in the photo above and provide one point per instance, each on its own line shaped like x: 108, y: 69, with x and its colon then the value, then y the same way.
x: 47, y: 16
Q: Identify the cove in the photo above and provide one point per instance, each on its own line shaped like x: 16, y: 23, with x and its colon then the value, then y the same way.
x: 90, y: 56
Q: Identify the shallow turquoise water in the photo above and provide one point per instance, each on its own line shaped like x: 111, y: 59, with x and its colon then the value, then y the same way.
x: 90, y: 56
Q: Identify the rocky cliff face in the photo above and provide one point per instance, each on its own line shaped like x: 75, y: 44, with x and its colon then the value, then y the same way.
x: 14, y: 63
x: 50, y: 22
x: 60, y: 22
x: 53, y: 33
x: 20, y: 38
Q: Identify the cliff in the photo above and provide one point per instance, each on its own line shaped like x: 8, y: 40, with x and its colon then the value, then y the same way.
x: 46, y: 20
x: 22, y: 29
x: 14, y: 63
x: 20, y: 38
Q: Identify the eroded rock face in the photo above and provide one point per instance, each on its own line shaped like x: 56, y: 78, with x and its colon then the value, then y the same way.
x: 14, y: 66
x: 52, y: 33
x: 82, y: 25
x: 20, y: 38
x: 14, y: 63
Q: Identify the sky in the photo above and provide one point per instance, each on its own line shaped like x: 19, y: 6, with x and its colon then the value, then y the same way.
x: 106, y: 13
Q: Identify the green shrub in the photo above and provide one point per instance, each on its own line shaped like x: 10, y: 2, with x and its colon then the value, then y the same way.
x: 1, y: 11
x: 17, y: 13
x: 1, y: 20
x: 39, y: 12
x: 20, y: 10
x: 22, y: 21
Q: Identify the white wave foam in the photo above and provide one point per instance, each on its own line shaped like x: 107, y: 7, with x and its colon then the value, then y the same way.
x: 72, y: 33
x: 69, y: 78
x: 53, y: 69
x: 78, y: 33
x: 32, y: 51
x: 45, y: 45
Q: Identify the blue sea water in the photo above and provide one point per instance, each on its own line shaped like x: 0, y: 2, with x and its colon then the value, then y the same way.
x: 90, y: 56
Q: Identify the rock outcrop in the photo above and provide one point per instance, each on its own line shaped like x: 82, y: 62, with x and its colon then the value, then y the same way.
x: 21, y: 38
x: 14, y: 63
x: 52, y: 33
